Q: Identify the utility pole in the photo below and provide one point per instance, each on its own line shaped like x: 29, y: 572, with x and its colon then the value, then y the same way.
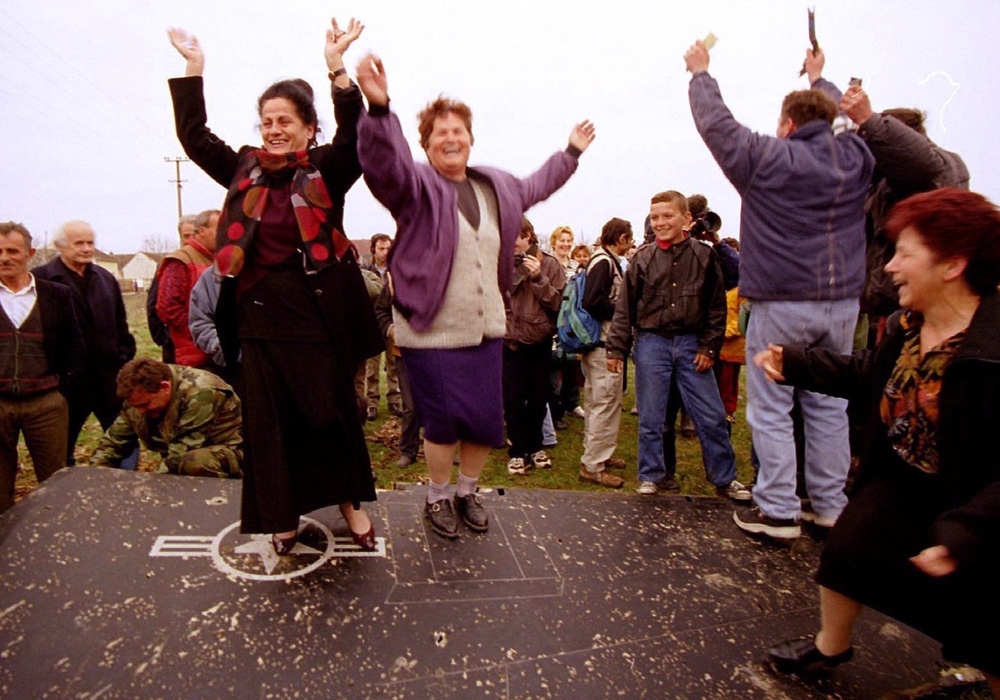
x: 177, y: 179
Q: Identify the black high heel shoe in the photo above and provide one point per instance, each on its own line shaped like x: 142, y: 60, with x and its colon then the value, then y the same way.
x: 284, y: 545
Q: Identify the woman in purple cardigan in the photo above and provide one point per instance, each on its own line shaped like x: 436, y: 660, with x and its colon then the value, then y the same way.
x: 452, y: 264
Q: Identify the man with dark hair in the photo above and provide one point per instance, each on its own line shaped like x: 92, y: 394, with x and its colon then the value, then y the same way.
x: 602, y: 390
x: 907, y: 163
x: 381, y: 244
x: 177, y: 275
x: 100, y: 311
x: 802, y: 266
x: 41, y: 357
x: 190, y: 417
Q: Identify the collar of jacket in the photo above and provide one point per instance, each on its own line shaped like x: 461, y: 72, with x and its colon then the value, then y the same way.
x: 811, y: 129
x: 980, y: 341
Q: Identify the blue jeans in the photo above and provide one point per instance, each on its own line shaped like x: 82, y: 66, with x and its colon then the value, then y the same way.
x: 657, y: 359
x: 820, y: 324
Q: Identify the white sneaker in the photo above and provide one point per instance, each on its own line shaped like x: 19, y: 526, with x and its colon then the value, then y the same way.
x: 648, y: 488
x: 516, y: 465
x: 540, y: 460
x: 579, y: 412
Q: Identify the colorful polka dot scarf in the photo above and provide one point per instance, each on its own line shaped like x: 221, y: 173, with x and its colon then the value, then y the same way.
x: 248, y: 195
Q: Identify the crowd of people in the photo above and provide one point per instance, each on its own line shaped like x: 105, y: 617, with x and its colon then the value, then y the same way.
x: 861, y: 295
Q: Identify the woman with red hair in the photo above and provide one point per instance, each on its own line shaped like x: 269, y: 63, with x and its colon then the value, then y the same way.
x: 920, y: 537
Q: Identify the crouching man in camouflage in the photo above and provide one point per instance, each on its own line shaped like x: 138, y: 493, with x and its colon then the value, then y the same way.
x: 188, y: 416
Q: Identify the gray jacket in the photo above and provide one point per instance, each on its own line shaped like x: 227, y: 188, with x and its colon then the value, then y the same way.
x: 201, y: 315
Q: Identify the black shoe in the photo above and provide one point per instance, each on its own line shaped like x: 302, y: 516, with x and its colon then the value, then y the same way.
x: 800, y: 656
x: 560, y: 424
x: 372, y: 413
x: 669, y: 485
x: 755, y: 522
x: 472, y: 512
x: 396, y: 410
x: 441, y: 517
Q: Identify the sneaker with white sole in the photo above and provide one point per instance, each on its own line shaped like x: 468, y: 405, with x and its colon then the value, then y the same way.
x: 735, y: 491
x: 517, y: 465
x: 808, y: 516
x: 754, y: 521
x: 648, y: 488
x: 579, y: 412
x: 540, y: 460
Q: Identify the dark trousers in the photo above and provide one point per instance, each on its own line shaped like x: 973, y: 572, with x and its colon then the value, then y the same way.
x: 525, y: 390
x: 94, y: 400
x: 42, y: 419
x: 409, y: 430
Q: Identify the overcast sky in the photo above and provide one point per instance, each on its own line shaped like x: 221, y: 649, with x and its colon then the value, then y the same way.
x: 87, y: 121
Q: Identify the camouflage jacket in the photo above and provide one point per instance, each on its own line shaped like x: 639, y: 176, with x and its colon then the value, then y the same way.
x: 203, y: 411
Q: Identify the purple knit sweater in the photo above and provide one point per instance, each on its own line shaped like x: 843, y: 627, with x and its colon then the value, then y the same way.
x: 425, y: 207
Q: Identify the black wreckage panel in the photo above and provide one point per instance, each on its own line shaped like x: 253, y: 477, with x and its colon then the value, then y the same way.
x: 115, y: 584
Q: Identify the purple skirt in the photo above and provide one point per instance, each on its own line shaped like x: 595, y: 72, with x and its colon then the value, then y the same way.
x: 458, y: 392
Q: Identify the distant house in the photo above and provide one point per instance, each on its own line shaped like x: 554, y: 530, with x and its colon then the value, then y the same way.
x: 137, y: 273
x: 108, y: 262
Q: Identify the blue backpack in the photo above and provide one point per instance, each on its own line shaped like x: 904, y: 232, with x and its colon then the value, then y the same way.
x: 578, y: 331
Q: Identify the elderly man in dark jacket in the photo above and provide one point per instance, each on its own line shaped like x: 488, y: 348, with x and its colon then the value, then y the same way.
x: 97, y: 301
x: 802, y: 264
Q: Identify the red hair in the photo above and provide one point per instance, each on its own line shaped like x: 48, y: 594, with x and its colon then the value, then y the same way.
x: 955, y: 223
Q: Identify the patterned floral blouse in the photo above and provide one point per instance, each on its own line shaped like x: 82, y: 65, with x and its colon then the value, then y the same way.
x: 910, y: 402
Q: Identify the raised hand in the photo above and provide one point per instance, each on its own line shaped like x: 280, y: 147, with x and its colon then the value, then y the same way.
x: 339, y: 40
x: 856, y: 105
x: 372, y: 80
x: 814, y: 63
x: 696, y: 58
x: 187, y: 46
x: 582, y: 135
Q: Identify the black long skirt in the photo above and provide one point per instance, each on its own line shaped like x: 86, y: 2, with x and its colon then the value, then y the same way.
x: 304, y: 446
x: 889, y: 519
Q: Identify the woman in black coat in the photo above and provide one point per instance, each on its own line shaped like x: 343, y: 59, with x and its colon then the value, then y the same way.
x: 293, y: 295
x: 920, y: 537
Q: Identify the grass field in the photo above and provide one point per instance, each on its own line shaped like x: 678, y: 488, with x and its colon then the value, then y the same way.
x: 383, y: 439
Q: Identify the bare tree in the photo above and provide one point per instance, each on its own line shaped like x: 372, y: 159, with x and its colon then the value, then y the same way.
x: 157, y: 243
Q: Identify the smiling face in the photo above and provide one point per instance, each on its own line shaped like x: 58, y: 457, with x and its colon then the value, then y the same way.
x: 448, y: 146
x: 668, y: 221
x: 564, y: 244
x: 282, y: 129
x: 917, y: 271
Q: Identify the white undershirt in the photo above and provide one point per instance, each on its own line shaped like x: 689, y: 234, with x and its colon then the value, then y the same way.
x: 17, y: 305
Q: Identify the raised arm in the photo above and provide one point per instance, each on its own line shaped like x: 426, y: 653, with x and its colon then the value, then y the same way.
x: 732, y: 145
x: 385, y: 156
x: 207, y: 150
x: 342, y: 168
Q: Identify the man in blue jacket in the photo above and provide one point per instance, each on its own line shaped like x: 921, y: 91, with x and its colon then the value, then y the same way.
x: 802, y: 264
